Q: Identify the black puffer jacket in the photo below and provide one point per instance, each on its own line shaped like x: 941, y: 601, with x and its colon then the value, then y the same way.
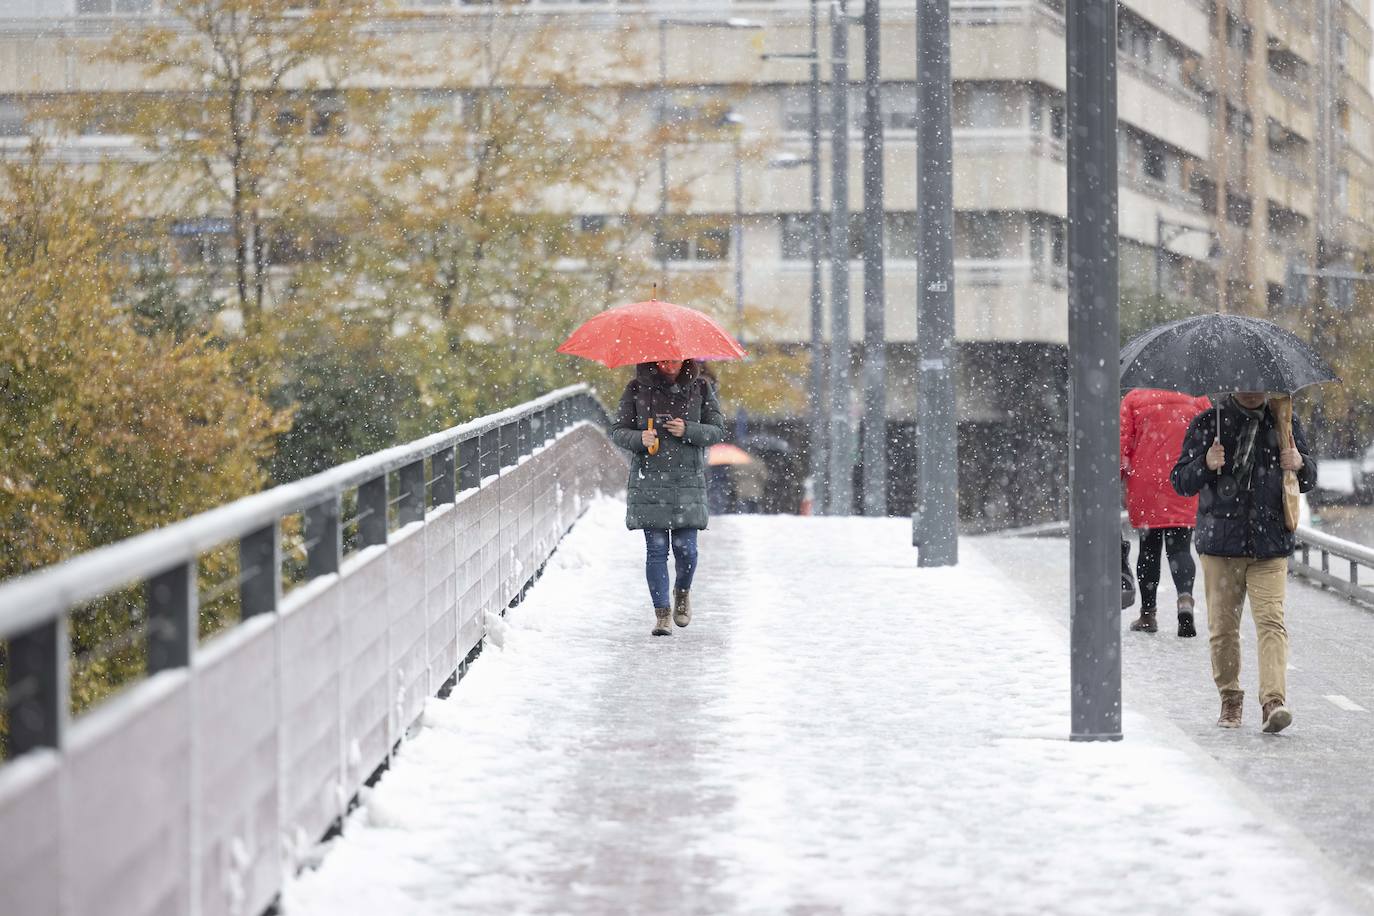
x: 1235, y: 521
x: 668, y: 490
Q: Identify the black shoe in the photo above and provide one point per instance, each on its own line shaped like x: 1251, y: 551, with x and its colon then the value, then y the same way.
x: 1146, y: 622
x: 1186, y: 626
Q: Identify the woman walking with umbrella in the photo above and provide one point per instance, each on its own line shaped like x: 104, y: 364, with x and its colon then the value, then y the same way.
x: 668, y: 417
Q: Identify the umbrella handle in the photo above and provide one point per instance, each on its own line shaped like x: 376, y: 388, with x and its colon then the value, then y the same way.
x: 653, y: 449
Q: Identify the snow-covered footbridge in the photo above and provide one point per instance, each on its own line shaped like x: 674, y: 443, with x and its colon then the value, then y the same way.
x: 837, y: 731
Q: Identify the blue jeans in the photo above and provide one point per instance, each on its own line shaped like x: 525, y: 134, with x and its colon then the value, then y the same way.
x: 684, y: 542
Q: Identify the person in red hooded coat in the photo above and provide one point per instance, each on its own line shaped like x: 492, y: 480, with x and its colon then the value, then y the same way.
x: 1153, y: 424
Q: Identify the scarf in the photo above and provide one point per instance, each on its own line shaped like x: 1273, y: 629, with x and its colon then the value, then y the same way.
x: 1244, y: 464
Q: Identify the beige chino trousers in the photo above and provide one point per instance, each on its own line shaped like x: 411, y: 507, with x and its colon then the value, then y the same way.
x: 1227, y: 581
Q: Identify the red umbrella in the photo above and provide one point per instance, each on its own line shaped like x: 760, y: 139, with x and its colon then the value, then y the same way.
x: 646, y: 332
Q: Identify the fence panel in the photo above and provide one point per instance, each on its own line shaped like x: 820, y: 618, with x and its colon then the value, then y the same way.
x: 311, y: 647
x: 441, y: 596
x: 191, y: 790
x: 237, y: 727
x: 405, y: 599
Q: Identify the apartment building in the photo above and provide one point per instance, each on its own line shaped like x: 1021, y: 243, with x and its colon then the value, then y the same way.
x: 1287, y: 87
x: 1245, y: 140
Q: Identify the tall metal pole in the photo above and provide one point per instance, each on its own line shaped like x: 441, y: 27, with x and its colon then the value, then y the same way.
x: 820, y: 419
x: 1159, y: 255
x: 935, y: 524
x: 662, y: 108
x: 739, y: 236
x: 875, y: 331
x: 1094, y: 474
x: 841, y: 451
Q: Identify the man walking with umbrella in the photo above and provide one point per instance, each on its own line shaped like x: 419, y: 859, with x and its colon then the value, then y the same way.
x: 1246, y: 461
x: 1244, y: 541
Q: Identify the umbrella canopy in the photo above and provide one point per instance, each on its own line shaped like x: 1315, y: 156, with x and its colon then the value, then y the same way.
x: 646, y: 332
x: 1214, y: 353
x: 727, y: 453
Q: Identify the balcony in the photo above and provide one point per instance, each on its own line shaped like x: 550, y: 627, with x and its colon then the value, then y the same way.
x: 1295, y: 115
x: 1013, y: 40
x: 1289, y: 185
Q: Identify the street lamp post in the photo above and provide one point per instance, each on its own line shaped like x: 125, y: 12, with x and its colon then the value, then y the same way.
x: 841, y: 500
x: 819, y: 419
x: 935, y: 524
x: 1094, y: 379
x: 875, y: 300
x: 661, y: 110
x: 736, y: 122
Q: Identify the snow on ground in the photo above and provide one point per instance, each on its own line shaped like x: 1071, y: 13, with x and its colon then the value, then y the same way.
x: 837, y: 732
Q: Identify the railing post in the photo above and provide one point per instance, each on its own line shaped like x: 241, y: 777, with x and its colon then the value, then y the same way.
x: 524, y: 443
x: 324, y: 538
x: 470, y: 463
x: 372, y: 511
x: 36, y: 687
x: 260, y: 571
x: 490, y: 450
x: 173, y: 614
x: 1354, y: 573
x: 541, y: 427
x: 507, y: 445
x: 443, y: 488
x: 412, y: 495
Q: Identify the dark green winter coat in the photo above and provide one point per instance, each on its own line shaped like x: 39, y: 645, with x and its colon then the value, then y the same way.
x: 668, y: 490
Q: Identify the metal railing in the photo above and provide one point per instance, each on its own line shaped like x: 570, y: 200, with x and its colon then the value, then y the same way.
x: 1350, y: 555
x: 192, y: 790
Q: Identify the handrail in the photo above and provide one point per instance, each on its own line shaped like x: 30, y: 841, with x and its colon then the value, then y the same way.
x: 1356, y: 555
x: 259, y: 738
x: 28, y: 600
x: 433, y: 471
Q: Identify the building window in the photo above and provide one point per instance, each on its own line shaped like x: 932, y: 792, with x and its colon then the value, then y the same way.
x: 1206, y: 191
x: 900, y: 238
x: 796, y: 236
x: 705, y: 239
x: 1154, y: 159
x: 981, y: 235
x: 113, y: 7
x: 13, y: 118
x: 1238, y: 208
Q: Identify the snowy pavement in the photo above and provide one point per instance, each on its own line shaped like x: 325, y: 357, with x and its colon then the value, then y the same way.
x: 837, y: 732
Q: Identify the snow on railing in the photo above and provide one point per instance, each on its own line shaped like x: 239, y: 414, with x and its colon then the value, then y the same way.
x: 193, y: 789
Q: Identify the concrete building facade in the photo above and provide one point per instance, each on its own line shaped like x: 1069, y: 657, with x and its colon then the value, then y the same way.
x: 1245, y: 147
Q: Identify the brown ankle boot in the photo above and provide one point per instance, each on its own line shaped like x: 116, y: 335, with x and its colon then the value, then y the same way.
x: 1276, y: 717
x: 682, y: 607
x: 1186, y: 626
x: 1232, y: 705
x: 1146, y: 622
x: 663, y: 625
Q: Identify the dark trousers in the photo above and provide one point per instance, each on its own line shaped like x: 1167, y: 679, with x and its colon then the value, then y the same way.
x: 684, y: 544
x: 1178, y: 543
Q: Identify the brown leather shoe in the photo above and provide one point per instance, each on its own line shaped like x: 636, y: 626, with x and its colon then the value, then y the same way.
x: 663, y: 624
x: 1146, y: 622
x: 1232, y: 705
x: 1276, y: 717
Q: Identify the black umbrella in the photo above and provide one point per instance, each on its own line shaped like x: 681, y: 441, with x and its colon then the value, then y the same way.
x: 1215, y: 353
x: 1212, y: 353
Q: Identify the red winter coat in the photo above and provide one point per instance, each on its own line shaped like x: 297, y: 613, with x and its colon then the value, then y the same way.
x: 1153, y: 424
